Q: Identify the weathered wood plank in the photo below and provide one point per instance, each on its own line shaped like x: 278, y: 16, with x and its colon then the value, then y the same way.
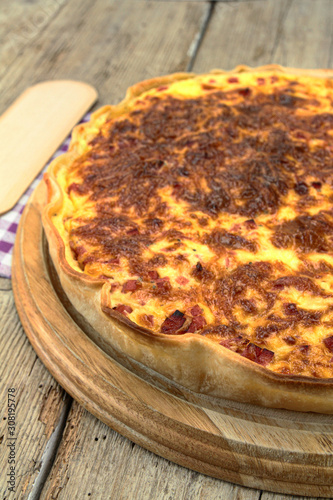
x: 40, y: 403
x: 109, y: 44
x: 306, y: 35
x: 295, y: 33
x: 5, y: 284
x: 124, y: 470
x: 241, y: 33
x: 21, y: 23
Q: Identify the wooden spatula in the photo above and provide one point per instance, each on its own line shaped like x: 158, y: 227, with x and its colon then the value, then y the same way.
x: 32, y: 129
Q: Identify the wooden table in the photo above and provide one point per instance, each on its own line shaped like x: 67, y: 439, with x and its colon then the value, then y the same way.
x: 64, y: 452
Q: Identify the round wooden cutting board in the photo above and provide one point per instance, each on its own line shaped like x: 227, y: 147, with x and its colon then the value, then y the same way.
x: 276, y: 450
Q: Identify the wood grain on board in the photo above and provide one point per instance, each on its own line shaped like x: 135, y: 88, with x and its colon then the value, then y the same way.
x: 136, y: 473
x: 109, y: 44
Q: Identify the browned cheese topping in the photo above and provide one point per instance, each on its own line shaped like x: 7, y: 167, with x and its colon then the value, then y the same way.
x: 208, y: 208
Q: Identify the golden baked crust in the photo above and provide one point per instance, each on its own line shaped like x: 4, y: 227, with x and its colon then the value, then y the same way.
x: 192, y: 226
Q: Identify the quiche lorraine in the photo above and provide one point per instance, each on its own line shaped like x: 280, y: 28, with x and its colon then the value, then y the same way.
x: 192, y: 226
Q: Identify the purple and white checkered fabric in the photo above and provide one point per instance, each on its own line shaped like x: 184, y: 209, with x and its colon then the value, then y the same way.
x: 9, y: 221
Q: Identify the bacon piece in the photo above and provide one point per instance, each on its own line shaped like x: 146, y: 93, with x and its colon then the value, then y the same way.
x: 77, y: 188
x: 72, y: 246
x: 163, y: 282
x: 88, y: 259
x: 122, y: 309
x: 196, y: 310
x: 261, y: 81
x: 232, y: 343
x: 131, y: 286
x: 78, y: 253
x: 226, y: 343
x: 198, y: 322
x: 245, y: 92
x: 250, y: 224
x: 165, y: 278
x: 163, y: 286
x: 149, y: 318
x: 233, y: 79
x: 173, y: 322
x: 77, y: 250
x: 153, y: 275
x: 114, y: 287
x: 257, y: 354
x: 329, y: 343
x: 181, y: 280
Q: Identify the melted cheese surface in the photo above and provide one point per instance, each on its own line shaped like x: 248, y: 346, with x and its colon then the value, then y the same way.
x: 207, y: 204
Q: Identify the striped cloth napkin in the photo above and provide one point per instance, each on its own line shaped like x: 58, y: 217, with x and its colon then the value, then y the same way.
x: 9, y: 221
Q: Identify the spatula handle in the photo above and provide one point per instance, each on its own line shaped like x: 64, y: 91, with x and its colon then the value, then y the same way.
x: 32, y: 129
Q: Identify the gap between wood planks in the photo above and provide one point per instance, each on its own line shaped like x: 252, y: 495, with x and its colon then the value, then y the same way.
x: 195, y: 46
x: 50, y: 451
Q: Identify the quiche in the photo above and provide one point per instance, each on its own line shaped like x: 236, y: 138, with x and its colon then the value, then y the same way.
x: 192, y: 226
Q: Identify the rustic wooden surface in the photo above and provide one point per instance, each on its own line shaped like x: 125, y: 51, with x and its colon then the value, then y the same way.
x: 63, y: 451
